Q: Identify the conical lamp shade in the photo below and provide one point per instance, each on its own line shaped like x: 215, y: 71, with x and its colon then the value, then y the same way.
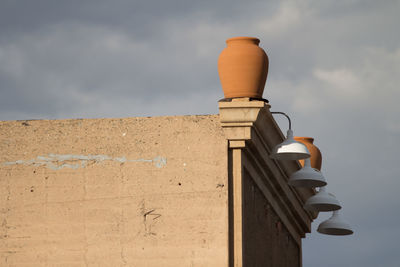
x: 307, y: 177
x: 290, y: 149
x: 322, y: 201
x: 335, y: 226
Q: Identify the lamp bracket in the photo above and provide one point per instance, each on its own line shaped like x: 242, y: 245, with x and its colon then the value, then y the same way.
x: 284, y: 114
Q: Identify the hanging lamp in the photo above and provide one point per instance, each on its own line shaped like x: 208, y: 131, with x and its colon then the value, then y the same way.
x: 307, y: 177
x: 289, y: 149
x: 335, y: 225
x: 322, y: 201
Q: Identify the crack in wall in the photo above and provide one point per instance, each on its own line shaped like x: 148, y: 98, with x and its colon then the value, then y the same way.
x: 60, y: 161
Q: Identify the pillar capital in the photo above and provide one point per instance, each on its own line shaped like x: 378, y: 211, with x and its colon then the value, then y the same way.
x: 238, y: 117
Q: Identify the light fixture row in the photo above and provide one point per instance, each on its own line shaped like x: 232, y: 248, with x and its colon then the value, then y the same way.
x: 309, y: 177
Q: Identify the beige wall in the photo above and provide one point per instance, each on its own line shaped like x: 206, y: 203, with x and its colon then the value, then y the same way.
x: 162, y: 191
x: 114, y: 192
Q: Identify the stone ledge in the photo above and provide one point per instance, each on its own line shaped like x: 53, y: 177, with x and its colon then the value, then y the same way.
x: 240, y: 111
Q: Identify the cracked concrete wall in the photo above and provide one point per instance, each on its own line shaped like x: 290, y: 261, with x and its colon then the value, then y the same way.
x: 114, y: 192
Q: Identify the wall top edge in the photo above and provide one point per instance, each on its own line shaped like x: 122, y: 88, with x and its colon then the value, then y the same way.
x: 243, y: 104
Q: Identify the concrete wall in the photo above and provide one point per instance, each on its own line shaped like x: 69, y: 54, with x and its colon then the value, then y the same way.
x: 162, y: 191
x: 114, y: 192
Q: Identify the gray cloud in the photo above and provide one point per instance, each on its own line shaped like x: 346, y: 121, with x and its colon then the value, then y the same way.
x: 333, y: 67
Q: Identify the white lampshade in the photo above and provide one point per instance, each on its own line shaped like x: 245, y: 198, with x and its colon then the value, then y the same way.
x: 307, y: 177
x: 322, y: 201
x: 290, y: 149
x: 335, y: 226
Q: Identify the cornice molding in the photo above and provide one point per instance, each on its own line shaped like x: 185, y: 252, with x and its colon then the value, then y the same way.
x: 238, y: 117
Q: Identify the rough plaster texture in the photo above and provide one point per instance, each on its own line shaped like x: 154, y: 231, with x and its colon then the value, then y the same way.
x: 114, y: 192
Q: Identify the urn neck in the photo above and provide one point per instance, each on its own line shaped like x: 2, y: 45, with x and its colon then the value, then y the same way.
x: 242, y: 40
x: 305, y: 139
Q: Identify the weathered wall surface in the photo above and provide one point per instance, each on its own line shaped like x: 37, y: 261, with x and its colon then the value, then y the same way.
x: 114, y: 192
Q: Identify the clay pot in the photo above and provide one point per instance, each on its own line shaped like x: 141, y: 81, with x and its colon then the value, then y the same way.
x: 243, y: 68
x: 316, y: 157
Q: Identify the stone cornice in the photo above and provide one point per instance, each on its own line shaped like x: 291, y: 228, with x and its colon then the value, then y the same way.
x: 238, y: 118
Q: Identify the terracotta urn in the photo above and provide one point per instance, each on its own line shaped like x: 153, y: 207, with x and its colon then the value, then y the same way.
x: 316, y: 157
x: 243, y: 68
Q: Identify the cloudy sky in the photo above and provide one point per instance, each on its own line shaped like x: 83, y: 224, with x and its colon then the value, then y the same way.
x: 334, y: 67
